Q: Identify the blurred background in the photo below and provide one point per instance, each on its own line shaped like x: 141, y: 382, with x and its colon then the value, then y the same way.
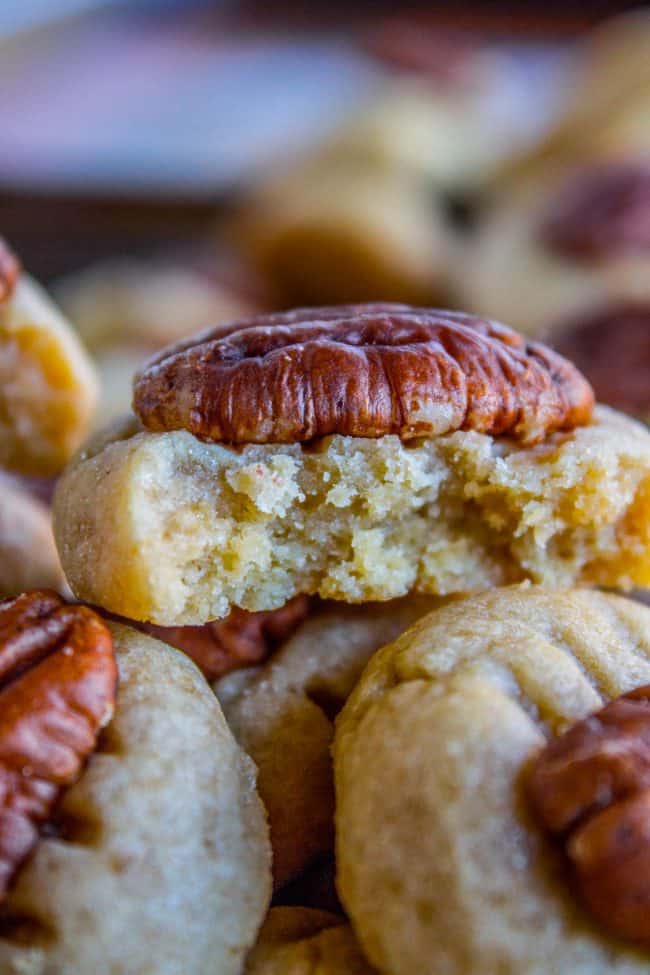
x: 169, y: 165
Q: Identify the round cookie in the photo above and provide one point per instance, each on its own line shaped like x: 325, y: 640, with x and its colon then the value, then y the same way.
x: 166, y: 528
x: 301, y: 941
x: 282, y: 714
x: 159, y: 860
x: 47, y: 383
x: 336, y: 231
x: 28, y: 556
x: 442, y: 867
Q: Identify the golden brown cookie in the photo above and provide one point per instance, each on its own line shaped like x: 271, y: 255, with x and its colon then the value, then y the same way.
x: 47, y: 384
x: 282, y: 715
x: 158, y: 857
x: 443, y: 864
x: 301, y: 941
x: 28, y: 556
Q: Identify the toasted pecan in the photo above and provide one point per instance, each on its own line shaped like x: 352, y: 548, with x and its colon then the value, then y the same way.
x: 602, y: 212
x: 9, y: 271
x: 360, y: 371
x: 240, y: 640
x: 58, y: 679
x: 591, y: 787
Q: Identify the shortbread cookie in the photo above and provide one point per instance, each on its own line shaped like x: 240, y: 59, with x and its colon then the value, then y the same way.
x: 166, y: 528
x: 47, y: 384
x: 336, y: 230
x: 300, y: 941
x: 381, y: 449
x: 159, y: 860
x: 28, y: 556
x: 564, y: 245
x: 442, y: 864
x: 282, y: 714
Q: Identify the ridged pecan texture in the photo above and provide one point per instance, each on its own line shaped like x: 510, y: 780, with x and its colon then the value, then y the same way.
x: 58, y: 681
x: 591, y: 788
x: 360, y: 371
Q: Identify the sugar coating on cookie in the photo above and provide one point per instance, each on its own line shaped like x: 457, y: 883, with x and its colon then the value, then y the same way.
x: 454, y: 876
x: 160, y: 860
x: 47, y: 384
x: 163, y: 527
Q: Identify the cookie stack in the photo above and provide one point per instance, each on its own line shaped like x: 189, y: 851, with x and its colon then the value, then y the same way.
x: 368, y: 465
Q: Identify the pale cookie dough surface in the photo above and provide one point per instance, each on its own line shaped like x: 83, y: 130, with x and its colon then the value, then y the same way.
x: 282, y: 715
x: 441, y: 867
x: 47, y: 384
x: 28, y: 556
x: 166, y: 528
x: 163, y: 865
x: 300, y: 941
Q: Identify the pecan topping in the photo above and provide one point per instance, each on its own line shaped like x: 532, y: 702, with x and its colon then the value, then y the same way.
x: 9, y: 271
x: 58, y: 681
x: 242, y: 639
x: 602, y: 212
x: 591, y: 787
x: 361, y: 371
x: 611, y: 346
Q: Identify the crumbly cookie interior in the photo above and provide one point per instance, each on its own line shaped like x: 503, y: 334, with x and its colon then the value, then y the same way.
x: 164, y: 527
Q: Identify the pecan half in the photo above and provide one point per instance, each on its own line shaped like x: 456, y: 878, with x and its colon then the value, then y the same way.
x: 602, y: 212
x: 612, y: 347
x: 361, y: 371
x: 242, y: 639
x: 58, y: 679
x: 591, y: 787
x: 9, y: 271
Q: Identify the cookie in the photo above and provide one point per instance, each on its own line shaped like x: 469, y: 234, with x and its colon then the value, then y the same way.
x: 47, y: 383
x: 442, y: 864
x: 282, y: 715
x: 158, y: 860
x: 28, y: 556
x: 566, y: 244
x: 126, y: 309
x: 337, y: 231
x: 166, y: 528
x: 369, y: 451
x: 301, y: 941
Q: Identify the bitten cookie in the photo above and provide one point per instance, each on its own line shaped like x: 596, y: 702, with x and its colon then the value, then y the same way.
x: 443, y: 865
x: 401, y: 449
x: 158, y: 859
x: 282, y: 715
x: 47, y: 383
x: 300, y: 941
